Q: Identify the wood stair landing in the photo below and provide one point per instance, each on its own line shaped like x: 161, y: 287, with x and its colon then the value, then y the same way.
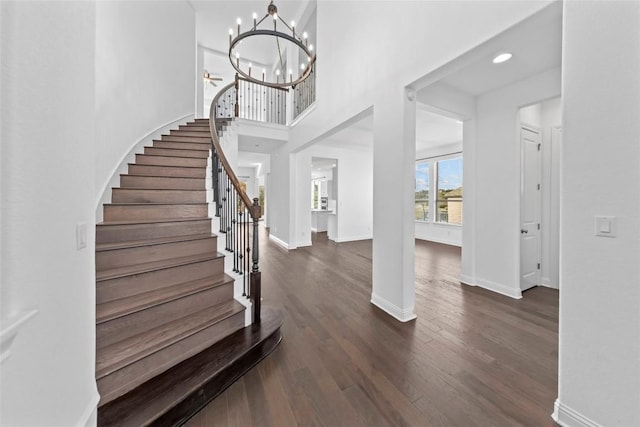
x: 173, y: 397
x: 168, y: 329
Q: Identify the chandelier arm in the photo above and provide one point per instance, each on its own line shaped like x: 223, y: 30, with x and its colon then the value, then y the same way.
x: 260, y: 22
x: 280, y: 57
x: 285, y: 23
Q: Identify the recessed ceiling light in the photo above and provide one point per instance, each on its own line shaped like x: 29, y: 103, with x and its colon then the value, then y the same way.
x: 502, y: 57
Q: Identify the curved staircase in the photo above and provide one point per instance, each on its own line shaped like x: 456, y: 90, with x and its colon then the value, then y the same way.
x: 166, y: 313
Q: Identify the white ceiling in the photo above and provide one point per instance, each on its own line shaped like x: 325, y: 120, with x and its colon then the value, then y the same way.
x: 536, y: 45
x: 214, y: 18
x: 322, y: 163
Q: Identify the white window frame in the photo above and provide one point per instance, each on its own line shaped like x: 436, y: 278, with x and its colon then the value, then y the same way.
x: 433, y: 185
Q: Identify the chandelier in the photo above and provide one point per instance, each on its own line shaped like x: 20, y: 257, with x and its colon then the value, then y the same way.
x: 268, y: 27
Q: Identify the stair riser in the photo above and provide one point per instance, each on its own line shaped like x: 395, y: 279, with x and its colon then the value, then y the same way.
x: 192, y: 128
x: 147, y: 212
x: 118, y: 383
x: 176, y: 153
x: 128, y: 326
x: 173, y: 171
x: 129, y: 232
x: 198, y: 132
x: 186, y: 139
x: 142, y: 159
x: 122, y: 287
x: 204, y: 146
x: 127, y: 195
x: 114, y: 258
x: 162, y: 183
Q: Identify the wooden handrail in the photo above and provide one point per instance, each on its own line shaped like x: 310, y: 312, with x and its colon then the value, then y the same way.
x: 254, y: 210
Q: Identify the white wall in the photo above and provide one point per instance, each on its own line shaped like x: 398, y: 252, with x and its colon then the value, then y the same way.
x: 145, y: 60
x: 248, y: 175
x: 497, y: 171
x: 551, y: 124
x: 355, y: 195
x: 454, y: 103
x: 342, y: 94
x: 355, y: 76
x: 599, y: 367
x: 48, y: 157
x: 353, y: 178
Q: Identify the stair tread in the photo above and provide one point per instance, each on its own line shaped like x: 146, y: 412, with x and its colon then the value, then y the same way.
x: 159, y: 189
x: 121, y: 307
x: 149, y: 242
x: 166, y: 166
x: 166, y: 155
x: 130, y: 270
x: 160, y: 176
x: 177, y: 149
x: 151, y: 221
x: 123, y: 353
x: 207, y: 145
x: 155, y: 203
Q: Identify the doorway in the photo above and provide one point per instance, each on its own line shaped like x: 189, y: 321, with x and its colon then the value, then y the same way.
x: 530, y: 208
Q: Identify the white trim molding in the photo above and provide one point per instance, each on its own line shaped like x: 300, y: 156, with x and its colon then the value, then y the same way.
x: 546, y: 282
x: 129, y: 157
x: 279, y: 242
x: 90, y: 415
x: 10, y: 328
x: 352, y: 238
x: 568, y: 417
x: 492, y: 286
x: 403, y: 315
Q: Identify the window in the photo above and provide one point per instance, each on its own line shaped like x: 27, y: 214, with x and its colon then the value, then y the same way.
x: 438, y: 192
x: 449, y: 203
x: 422, y: 191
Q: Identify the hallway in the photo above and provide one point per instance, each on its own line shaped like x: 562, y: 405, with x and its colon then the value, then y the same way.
x: 471, y: 358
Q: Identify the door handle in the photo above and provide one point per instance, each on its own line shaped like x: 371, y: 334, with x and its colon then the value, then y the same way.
x: 523, y: 231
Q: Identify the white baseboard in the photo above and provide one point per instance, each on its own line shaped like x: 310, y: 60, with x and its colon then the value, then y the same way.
x: 129, y: 157
x: 442, y: 241
x: 491, y: 286
x: 279, y: 242
x: 9, y: 328
x: 89, y: 416
x: 546, y: 282
x: 247, y: 308
x: 499, y: 288
x: 403, y: 315
x: 352, y: 238
x: 567, y: 417
x: 303, y: 244
x: 467, y: 280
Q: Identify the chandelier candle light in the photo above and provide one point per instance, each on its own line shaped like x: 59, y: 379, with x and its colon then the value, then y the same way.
x: 288, y: 34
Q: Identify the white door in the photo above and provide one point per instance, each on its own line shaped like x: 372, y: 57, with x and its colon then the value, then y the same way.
x: 530, y: 210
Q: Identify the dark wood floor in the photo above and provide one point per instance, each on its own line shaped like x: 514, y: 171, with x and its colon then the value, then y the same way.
x: 471, y: 358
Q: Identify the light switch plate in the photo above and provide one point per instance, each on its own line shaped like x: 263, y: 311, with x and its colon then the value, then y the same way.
x: 605, y: 226
x: 81, y: 235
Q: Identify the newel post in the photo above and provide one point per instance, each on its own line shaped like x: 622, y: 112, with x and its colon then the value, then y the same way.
x: 255, y: 291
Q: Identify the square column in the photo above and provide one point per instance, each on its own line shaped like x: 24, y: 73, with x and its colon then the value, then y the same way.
x: 393, y: 200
